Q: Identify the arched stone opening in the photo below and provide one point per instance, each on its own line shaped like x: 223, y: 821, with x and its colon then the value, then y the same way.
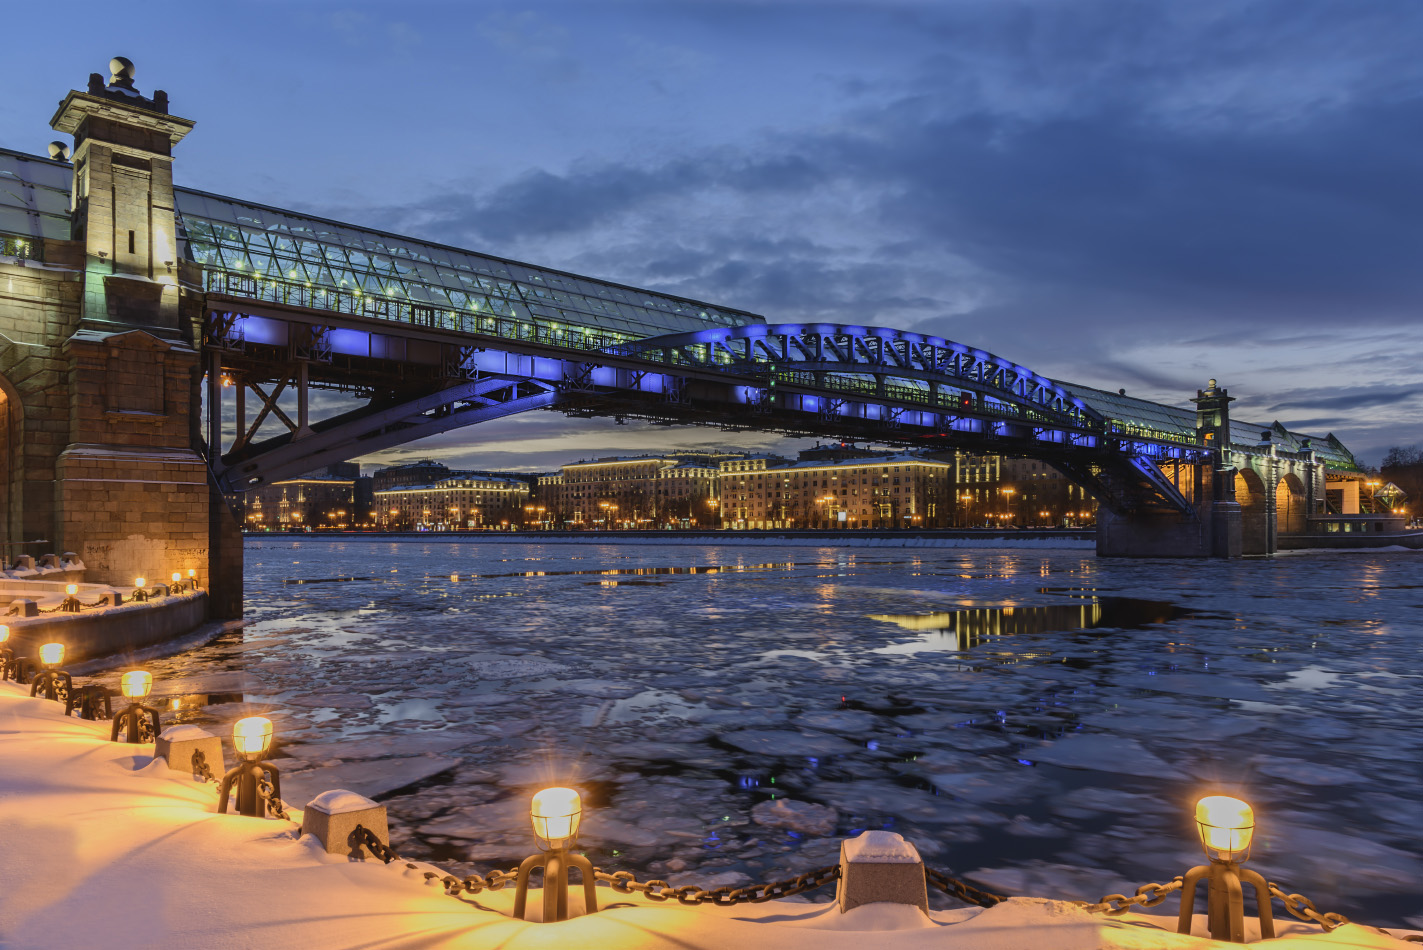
x: 1291, y: 506
x: 1255, y: 519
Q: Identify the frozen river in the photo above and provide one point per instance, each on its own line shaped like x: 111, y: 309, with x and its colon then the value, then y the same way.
x: 1038, y: 720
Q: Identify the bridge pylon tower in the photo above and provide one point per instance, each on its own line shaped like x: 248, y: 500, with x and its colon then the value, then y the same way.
x: 97, y: 349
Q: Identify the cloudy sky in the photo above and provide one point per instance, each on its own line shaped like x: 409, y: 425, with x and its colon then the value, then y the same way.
x: 1120, y: 193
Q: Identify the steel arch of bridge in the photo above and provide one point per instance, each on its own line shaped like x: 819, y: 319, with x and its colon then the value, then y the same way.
x: 803, y: 379
x: 840, y: 356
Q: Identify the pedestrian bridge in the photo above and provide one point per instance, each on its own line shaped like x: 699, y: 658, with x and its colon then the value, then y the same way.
x: 160, y: 345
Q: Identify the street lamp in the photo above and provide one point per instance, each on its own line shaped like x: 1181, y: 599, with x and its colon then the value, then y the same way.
x: 1226, y: 827
x: 251, y: 738
x: 53, y: 683
x: 71, y: 599
x: 556, y: 814
x: 140, y: 589
x: 7, y: 654
x: 138, y: 722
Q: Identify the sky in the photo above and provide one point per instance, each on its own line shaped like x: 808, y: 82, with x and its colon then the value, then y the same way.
x: 1117, y: 193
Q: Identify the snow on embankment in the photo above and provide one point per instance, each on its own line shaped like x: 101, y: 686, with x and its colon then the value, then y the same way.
x: 104, y: 846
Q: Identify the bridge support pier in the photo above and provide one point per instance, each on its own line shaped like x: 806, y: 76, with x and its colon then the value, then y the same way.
x: 1214, y: 530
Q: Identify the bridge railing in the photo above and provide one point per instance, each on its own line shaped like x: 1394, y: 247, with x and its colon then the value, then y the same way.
x: 408, y: 312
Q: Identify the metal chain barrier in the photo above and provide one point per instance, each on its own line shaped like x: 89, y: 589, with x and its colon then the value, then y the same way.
x: 274, y: 803
x: 201, y: 769
x: 474, y: 883
x: 962, y: 890
x: 364, y: 836
x: 1148, y: 895
x: 1303, y: 908
x: 625, y: 883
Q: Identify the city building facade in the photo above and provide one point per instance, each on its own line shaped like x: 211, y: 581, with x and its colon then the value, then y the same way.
x: 646, y: 491
x: 462, y: 502
x: 323, y: 499
x: 890, y: 491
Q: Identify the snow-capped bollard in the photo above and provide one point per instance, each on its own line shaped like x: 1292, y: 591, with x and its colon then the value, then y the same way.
x: 112, y: 599
x: 24, y: 607
x: 24, y: 562
x: 880, y: 866
x: 176, y: 745
x: 333, y: 816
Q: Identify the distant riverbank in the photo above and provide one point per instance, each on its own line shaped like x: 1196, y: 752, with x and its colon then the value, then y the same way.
x: 948, y: 538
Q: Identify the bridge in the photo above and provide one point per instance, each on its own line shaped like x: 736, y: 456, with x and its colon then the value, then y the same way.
x: 137, y: 317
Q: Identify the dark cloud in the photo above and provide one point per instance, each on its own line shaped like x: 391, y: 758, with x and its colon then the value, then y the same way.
x: 1352, y: 398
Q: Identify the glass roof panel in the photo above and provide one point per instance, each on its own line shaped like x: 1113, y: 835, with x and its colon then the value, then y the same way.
x: 406, y: 269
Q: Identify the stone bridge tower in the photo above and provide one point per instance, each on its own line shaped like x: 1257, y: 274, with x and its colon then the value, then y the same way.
x: 99, y: 362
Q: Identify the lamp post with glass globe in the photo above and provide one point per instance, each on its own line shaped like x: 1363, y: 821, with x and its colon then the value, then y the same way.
x: 138, y: 723
x: 556, y: 814
x: 1226, y: 827
x: 252, y: 739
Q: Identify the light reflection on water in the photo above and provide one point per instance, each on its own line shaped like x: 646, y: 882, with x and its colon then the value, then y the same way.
x: 1069, y: 729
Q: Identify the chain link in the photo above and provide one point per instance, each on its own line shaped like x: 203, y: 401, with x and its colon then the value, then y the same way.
x: 364, y: 836
x: 1303, y: 908
x: 726, y: 896
x: 962, y: 890
x: 201, y: 769
x: 473, y: 883
x: 274, y: 803
x: 1148, y: 895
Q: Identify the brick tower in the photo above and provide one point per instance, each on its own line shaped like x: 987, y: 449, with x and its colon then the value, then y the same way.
x: 100, y: 369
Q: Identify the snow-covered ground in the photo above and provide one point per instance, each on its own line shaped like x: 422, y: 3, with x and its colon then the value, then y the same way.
x: 1053, y: 750
x: 105, y: 846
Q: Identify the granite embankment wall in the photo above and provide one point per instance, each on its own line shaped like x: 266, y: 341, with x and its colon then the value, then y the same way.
x: 111, y: 630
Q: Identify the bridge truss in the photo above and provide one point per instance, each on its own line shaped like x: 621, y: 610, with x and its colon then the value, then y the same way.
x: 827, y: 380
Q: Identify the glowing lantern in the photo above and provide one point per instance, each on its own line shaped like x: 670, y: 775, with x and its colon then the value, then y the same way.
x: 52, y: 654
x: 251, y: 737
x: 71, y: 589
x: 177, y: 578
x: 1226, y: 826
x: 140, y: 582
x: 136, y: 684
x: 4, y: 632
x: 556, y: 813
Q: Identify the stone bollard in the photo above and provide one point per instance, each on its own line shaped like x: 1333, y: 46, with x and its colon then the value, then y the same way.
x: 113, y: 599
x: 176, y: 745
x: 333, y: 816
x: 24, y: 563
x: 880, y: 866
x: 49, y: 560
x: 24, y: 607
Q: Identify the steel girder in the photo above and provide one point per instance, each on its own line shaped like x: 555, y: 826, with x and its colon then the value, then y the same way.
x: 827, y: 350
x: 363, y: 431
